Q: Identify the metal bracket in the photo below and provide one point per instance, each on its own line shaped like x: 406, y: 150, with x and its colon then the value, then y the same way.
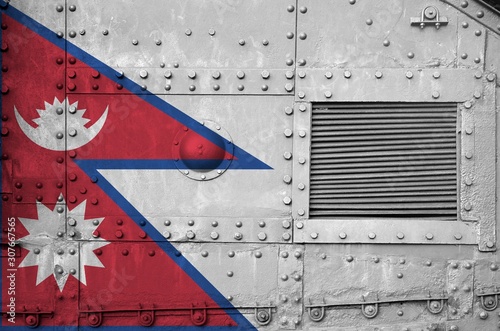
x: 370, y: 309
x: 263, y: 316
x: 198, y: 316
x: 489, y: 300
x: 429, y: 16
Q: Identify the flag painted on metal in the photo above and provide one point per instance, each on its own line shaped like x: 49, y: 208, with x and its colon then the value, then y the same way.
x: 75, y: 252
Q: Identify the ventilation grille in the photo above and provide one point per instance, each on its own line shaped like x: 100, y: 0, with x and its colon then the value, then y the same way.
x: 384, y: 160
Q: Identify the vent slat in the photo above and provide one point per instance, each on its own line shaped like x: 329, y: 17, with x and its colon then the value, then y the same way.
x: 382, y: 159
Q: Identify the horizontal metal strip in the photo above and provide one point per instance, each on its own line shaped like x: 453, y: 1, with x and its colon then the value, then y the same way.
x: 395, y: 174
x: 377, y: 105
x: 381, y: 114
x: 397, y: 137
x: 383, y: 153
x: 375, y: 142
x: 366, y: 159
x: 393, y: 186
x: 385, y: 206
x: 363, y: 127
x: 321, y: 180
x: 397, y: 130
x: 365, y: 121
x: 326, y: 194
x: 333, y: 149
x: 448, y: 213
x: 401, y: 168
x: 370, y: 165
x: 333, y: 202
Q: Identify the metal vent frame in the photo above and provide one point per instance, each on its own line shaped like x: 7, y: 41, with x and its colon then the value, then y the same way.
x: 476, y: 223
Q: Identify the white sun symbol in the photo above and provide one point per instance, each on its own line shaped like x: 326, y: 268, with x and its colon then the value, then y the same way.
x: 54, y: 246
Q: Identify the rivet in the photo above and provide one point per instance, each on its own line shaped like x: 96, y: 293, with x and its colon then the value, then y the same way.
x: 125, y: 252
x: 192, y: 74
x: 328, y: 94
x: 302, y: 74
x: 288, y: 110
x: 464, y: 4
x: 297, y: 278
x: 262, y: 224
x: 349, y: 258
x: 369, y: 21
x: 402, y: 261
x: 323, y: 256
x: 239, y: 224
x: 299, y: 225
x: 288, y: 133
x: 491, y: 77
x: 118, y: 234
x: 216, y: 87
x: 288, y: 87
x: 490, y: 244
x: 428, y: 263
x: 376, y: 260
x: 290, y: 8
x: 286, y: 236
x: 287, y: 155
x: 465, y: 25
x: 284, y: 255
x: 328, y: 75
x: 265, y: 74
x: 287, y: 179
x: 400, y: 275
x: 347, y: 74
x: 453, y: 328
x: 314, y: 235
x: 342, y: 235
x: 301, y: 212
x: 188, y: 32
x: 192, y: 88
x: 289, y: 62
x: 467, y: 265
x: 436, y: 74
x: 59, y: 8
x: 457, y: 236
x: 289, y: 74
x: 241, y: 42
x: 284, y: 277
x: 302, y: 36
x: 378, y: 74
x: 302, y: 160
x: 483, y: 315
x: 143, y: 74
x: 241, y: 87
x: 302, y: 107
x: 238, y: 236
x: 400, y: 313
x: 286, y: 224
x: 468, y: 130
x: 302, y: 133
x: 301, y: 62
x: 214, y: 235
x: 429, y: 236
x: 372, y: 235
x: 477, y: 60
x: 386, y: 43
x: 287, y: 200
x: 303, y: 9
x: 190, y: 234
x: 400, y: 235
x: 59, y: 34
x: 265, y: 42
x: 410, y: 55
x: 493, y: 267
x: 480, y: 14
x: 435, y: 94
x: 105, y: 32
x: 258, y: 254
x: 301, y: 95
x: 468, y: 206
x: 468, y: 155
x: 409, y: 74
x: 82, y: 32
x: 204, y: 253
x: 352, y: 2
x: 229, y: 298
x: 60, y: 270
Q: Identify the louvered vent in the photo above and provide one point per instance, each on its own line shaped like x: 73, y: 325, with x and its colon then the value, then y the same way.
x: 384, y: 160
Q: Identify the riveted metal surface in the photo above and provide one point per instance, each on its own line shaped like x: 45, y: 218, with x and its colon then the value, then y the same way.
x: 401, y: 283
x: 367, y: 43
x: 291, y: 286
x: 478, y: 11
x: 300, y: 184
x: 193, y: 34
x: 480, y: 203
x: 363, y: 86
x: 471, y: 43
x: 460, y: 282
x: 247, y: 275
x: 387, y: 230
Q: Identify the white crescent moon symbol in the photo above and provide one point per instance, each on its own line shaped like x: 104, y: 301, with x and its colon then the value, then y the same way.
x: 47, y: 138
